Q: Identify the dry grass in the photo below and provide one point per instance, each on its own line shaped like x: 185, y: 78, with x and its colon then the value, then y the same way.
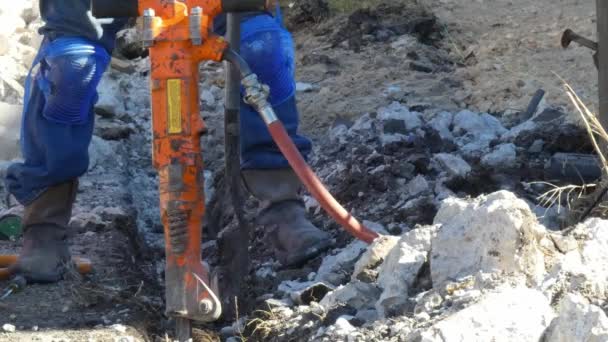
x: 576, y: 197
x: 557, y: 194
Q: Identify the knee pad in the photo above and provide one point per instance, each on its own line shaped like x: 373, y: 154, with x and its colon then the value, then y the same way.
x: 70, y: 70
x: 269, y: 50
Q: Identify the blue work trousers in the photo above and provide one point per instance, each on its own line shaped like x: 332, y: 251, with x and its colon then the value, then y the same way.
x: 56, y: 151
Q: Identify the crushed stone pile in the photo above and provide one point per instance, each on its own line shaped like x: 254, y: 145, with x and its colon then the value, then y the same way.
x: 486, y: 269
x: 459, y: 260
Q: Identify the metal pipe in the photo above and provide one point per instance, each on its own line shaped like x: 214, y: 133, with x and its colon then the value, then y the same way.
x: 570, y: 36
x: 602, y: 34
x: 234, y: 251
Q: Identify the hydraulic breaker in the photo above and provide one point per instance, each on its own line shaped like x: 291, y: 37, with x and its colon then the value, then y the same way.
x: 179, y: 36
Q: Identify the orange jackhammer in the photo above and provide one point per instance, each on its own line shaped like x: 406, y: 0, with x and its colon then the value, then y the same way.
x: 179, y: 36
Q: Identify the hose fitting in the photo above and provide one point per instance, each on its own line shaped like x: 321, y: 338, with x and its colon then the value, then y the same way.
x: 256, y: 95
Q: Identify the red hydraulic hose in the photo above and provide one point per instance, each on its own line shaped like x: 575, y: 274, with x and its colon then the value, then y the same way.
x: 316, y: 187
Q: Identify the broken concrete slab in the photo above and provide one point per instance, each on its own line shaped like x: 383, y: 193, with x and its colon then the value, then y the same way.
x: 578, y: 320
x: 400, y: 269
x: 442, y: 123
x: 373, y: 257
x: 584, y: 269
x: 493, y: 233
x: 356, y: 294
x: 453, y: 164
x: 397, y: 118
x: 502, y: 157
x: 516, y: 314
x: 336, y: 269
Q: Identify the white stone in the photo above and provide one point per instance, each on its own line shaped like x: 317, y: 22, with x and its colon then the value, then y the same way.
x: 586, y: 269
x: 397, y: 111
x: 417, y: 186
x: 375, y: 254
x: 343, y: 327
x: 474, y: 132
x: 453, y: 164
x: 387, y: 139
x: 120, y: 328
x: 337, y: 134
x: 335, y: 269
x: 493, y: 233
x: 10, y: 23
x: 100, y: 151
x: 4, y: 44
x: 442, y: 124
x: 518, y: 314
x: 502, y: 157
x: 10, y: 123
x: 305, y: 87
x: 9, y: 328
x: 400, y: 269
x: 481, y: 126
x: 208, y: 99
x: 107, y: 90
x: 356, y: 294
x: 578, y: 321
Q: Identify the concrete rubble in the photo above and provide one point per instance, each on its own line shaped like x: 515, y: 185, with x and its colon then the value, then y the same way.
x: 460, y: 259
x: 578, y: 321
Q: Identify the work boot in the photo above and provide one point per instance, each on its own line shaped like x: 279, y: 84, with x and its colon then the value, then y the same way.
x: 45, y: 256
x: 294, y: 238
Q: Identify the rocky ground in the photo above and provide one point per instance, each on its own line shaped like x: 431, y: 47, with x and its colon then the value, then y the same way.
x: 417, y: 130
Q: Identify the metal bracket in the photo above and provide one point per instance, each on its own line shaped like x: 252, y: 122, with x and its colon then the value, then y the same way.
x: 570, y: 36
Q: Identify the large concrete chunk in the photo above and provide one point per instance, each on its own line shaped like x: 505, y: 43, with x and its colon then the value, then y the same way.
x: 578, y: 321
x: 400, y: 269
x: 357, y: 295
x: 518, y: 314
x: 374, y: 255
x: 453, y: 164
x: 586, y: 268
x: 336, y: 269
x: 502, y: 157
x: 494, y: 233
x: 397, y: 118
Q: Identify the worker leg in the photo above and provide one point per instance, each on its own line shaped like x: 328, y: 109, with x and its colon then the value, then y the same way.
x: 268, y: 49
x: 57, y: 128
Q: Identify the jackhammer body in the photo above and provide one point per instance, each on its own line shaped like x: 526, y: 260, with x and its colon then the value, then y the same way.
x: 178, y: 35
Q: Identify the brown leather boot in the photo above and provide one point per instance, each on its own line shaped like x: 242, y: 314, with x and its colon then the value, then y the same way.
x: 294, y: 238
x: 45, y: 256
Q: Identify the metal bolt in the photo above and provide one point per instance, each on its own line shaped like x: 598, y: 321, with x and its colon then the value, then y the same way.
x: 149, y: 15
x: 196, y: 14
x: 205, y: 306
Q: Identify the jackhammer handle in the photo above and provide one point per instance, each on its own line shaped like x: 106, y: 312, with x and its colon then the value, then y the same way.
x: 115, y: 8
x: 130, y: 8
x: 245, y: 5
